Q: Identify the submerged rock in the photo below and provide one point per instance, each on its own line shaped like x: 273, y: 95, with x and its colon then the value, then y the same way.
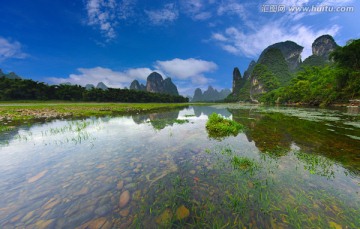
x: 130, y: 186
x: 51, y: 203
x: 81, y: 192
x: 43, y: 223
x: 124, y: 212
x: 124, y: 199
x: 37, y: 176
x: 103, y: 210
x: 98, y: 223
x: 165, y: 217
x: 182, y: 212
x: 120, y: 184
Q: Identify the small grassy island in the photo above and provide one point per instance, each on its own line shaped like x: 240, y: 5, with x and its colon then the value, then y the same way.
x: 219, y: 127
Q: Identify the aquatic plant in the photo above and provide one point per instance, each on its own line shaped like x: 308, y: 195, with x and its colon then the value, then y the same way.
x: 244, y: 163
x: 219, y: 127
x: 316, y: 164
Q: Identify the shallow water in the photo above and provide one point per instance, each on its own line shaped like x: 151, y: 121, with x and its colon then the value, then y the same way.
x: 157, y: 170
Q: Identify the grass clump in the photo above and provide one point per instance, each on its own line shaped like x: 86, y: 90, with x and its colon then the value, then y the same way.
x: 219, y: 127
x: 244, y: 163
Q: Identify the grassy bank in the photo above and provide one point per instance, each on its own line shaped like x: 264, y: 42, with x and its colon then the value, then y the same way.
x: 16, y: 113
x: 35, y: 110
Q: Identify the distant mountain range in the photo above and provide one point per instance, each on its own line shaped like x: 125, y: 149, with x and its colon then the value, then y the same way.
x: 11, y: 75
x: 210, y: 95
x: 155, y: 83
x: 100, y: 85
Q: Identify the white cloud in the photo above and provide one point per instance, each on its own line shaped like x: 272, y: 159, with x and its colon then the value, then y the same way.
x: 10, y: 49
x: 102, y: 14
x: 252, y: 43
x: 202, y: 16
x: 126, y: 8
x: 198, y: 10
x: 192, y: 6
x: 231, y: 7
x: 191, y: 68
x: 288, y: 2
x: 184, y: 72
x: 219, y: 37
x: 111, y: 78
x: 168, y: 14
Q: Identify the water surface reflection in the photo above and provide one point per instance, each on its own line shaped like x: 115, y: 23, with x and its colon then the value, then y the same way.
x: 289, y: 168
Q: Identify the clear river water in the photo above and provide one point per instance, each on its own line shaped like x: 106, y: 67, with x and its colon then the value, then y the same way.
x: 289, y: 168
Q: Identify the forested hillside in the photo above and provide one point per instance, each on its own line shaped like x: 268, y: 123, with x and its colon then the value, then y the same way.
x: 22, y: 89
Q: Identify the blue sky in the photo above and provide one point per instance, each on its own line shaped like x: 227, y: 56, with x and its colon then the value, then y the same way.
x: 195, y: 42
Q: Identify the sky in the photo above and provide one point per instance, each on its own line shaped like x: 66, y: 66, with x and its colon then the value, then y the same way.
x: 195, y: 42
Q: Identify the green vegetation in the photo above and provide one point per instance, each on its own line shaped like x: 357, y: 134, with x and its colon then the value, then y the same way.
x: 19, y: 89
x: 17, y: 114
x: 275, y: 62
x: 313, y: 61
x: 317, y: 81
x: 266, y: 77
x: 316, y: 164
x: 337, y: 82
x: 314, y: 86
x: 219, y: 127
x: 244, y: 163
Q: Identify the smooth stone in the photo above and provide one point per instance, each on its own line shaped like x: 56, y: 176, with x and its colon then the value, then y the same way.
x: 126, y: 173
x: 83, y: 191
x: 124, y: 212
x: 78, y: 218
x: 94, y: 224
x: 101, y: 166
x: 37, y: 176
x: 28, y: 216
x: 135, y: 159
x: 136, y: 170
x: 101, y: 178
x: 43, y: 215
x: 120, y: 184
x: 182, y: 212
x: 165, y: 217
x: 128, y: 179
x: 192, y: 172
x: 103, y: 210
x: 124, y: 199
x: 43, y: 223
x: 51, y: 203
x: 130, y: 186
x: 15, y: 218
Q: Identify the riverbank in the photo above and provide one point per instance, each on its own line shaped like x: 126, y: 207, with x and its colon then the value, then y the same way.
x: 42, y: 110
x: 21, y: 112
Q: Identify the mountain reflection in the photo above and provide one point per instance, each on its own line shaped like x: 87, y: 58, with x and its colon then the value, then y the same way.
x: 275, y: 133
x: 158, y: 120
x: 198, y: 110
